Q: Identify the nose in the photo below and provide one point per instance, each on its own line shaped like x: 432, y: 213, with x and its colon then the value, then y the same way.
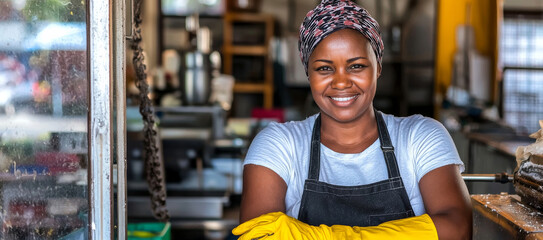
x: 341, y: 80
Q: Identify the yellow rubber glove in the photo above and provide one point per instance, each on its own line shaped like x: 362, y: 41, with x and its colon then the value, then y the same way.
x: 278, y: 225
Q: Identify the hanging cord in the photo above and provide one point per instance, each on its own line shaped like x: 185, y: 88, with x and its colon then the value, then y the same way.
x: 154, y: 167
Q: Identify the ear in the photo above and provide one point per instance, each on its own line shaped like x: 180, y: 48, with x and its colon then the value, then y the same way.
x: 378, y: 70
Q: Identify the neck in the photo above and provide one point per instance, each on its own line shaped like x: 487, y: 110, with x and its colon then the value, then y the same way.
x: 349, y: 137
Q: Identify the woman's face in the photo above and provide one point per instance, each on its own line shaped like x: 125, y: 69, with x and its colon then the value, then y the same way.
x: 343, y: 72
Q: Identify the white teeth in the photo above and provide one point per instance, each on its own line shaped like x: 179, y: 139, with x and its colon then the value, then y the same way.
x: 342, y: 99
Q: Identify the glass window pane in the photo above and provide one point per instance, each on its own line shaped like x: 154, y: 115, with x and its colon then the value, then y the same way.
x: 43, y: 119
x: 522, y: 99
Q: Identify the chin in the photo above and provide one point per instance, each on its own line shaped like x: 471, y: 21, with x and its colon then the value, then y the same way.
x: 344, y: 117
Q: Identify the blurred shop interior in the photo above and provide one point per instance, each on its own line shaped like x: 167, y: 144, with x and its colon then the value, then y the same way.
x: 218, y: 72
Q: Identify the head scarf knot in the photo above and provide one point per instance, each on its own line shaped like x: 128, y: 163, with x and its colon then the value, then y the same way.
x: 332, y: 15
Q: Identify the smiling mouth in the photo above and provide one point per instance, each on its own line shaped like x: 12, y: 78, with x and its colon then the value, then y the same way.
x: 343, y: 99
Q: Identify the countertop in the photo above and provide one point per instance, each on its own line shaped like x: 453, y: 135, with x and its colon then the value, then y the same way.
x: 504, y: 216
x: 505, y: 143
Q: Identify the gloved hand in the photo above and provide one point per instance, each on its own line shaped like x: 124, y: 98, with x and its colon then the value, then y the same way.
x: 413, y: 228
x: 277, y: 225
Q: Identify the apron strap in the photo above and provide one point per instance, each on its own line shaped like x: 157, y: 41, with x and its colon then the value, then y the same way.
x: 315, y: 154
x: 384, y: 139
x: 386, y: 146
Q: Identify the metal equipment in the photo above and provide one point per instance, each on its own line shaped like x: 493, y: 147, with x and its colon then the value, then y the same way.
x: 186, y: 135
x: 529, y: 181
x: 497, y: 177
x: 505, y: 216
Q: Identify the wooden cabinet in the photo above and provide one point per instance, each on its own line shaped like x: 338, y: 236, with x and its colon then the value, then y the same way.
x: 246, y: 53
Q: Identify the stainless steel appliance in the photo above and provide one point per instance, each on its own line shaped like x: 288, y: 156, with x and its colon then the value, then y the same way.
x: 197, y: 64
x: 193, y: 191
x: 197, y: 78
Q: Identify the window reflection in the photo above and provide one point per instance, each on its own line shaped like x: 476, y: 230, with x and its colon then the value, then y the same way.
x: 43, y: 119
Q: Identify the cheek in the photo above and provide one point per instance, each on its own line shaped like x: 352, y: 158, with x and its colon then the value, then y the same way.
x: 370, y: 78
x: 316, y: 83
x: 365, y: 81
x: 318, y: 88
x: 372, y: 86
x: 314, y: 90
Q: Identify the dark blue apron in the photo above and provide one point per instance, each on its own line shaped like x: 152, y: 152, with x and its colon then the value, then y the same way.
x: 364, y: 205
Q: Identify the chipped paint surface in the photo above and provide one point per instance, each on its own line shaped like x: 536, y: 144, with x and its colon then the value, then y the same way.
x: 100, y: 117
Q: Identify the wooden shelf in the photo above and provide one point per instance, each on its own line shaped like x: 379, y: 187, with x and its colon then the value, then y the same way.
x: 248, y: 17
x: 262, y: 88
x: 246, y: 50
x: 250, y: 87
x: 230, y: 49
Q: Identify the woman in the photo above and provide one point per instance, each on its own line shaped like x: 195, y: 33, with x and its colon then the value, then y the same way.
x: 367, y: 173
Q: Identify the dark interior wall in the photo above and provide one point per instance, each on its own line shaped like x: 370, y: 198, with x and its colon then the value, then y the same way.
x: 404, y: 88
x: 407, y: 28
x: 290, y: 13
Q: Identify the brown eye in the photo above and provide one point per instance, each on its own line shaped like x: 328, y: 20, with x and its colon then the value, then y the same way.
x: 357, y: 66
x: 323, y: 68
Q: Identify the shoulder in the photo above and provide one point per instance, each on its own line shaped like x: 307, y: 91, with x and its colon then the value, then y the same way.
x: 424, y: 141
x: 279, y: 145
x: 283, y: 136
x: 289, y: 129
x: 417, y: 131
x: 416, y: 124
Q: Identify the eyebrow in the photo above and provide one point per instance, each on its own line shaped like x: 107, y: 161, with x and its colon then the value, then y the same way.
x: 348, y: 60
x: 322, y: 60
x: 356, y: 58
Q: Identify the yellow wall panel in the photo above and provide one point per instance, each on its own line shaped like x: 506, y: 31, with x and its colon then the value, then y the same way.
x: 483, y: 16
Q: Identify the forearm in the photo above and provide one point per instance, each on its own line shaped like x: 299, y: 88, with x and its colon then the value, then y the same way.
x: 420, y: 227
x: 279, y: 226
x: 263, y: 192
x: 447, y: 201
x: 453, y: 225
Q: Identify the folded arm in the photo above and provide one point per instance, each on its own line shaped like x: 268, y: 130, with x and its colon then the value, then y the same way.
x: 262, y: 216
x: 277, y: 225
x: 263, y: 192
x: 446, y: 200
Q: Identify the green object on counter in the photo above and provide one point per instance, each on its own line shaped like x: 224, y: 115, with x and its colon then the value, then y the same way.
x: 149, y: 231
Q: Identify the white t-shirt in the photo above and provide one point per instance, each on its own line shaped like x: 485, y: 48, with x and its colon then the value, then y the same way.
x: 421, y: 144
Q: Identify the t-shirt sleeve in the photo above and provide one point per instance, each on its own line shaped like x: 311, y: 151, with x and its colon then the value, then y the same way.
x: 271, y: 149
x: 432, y: 147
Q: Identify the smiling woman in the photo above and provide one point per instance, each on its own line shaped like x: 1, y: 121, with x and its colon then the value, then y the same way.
x: 343, y: 75
x: 365, y: 173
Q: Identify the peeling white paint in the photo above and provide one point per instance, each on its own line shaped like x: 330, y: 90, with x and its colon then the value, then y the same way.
x: 100, y: 115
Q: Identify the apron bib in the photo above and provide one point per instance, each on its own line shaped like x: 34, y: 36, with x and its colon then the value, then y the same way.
x: 364, y: 205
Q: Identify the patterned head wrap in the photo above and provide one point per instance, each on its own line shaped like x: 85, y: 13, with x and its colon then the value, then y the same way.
x: 332, y: 15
